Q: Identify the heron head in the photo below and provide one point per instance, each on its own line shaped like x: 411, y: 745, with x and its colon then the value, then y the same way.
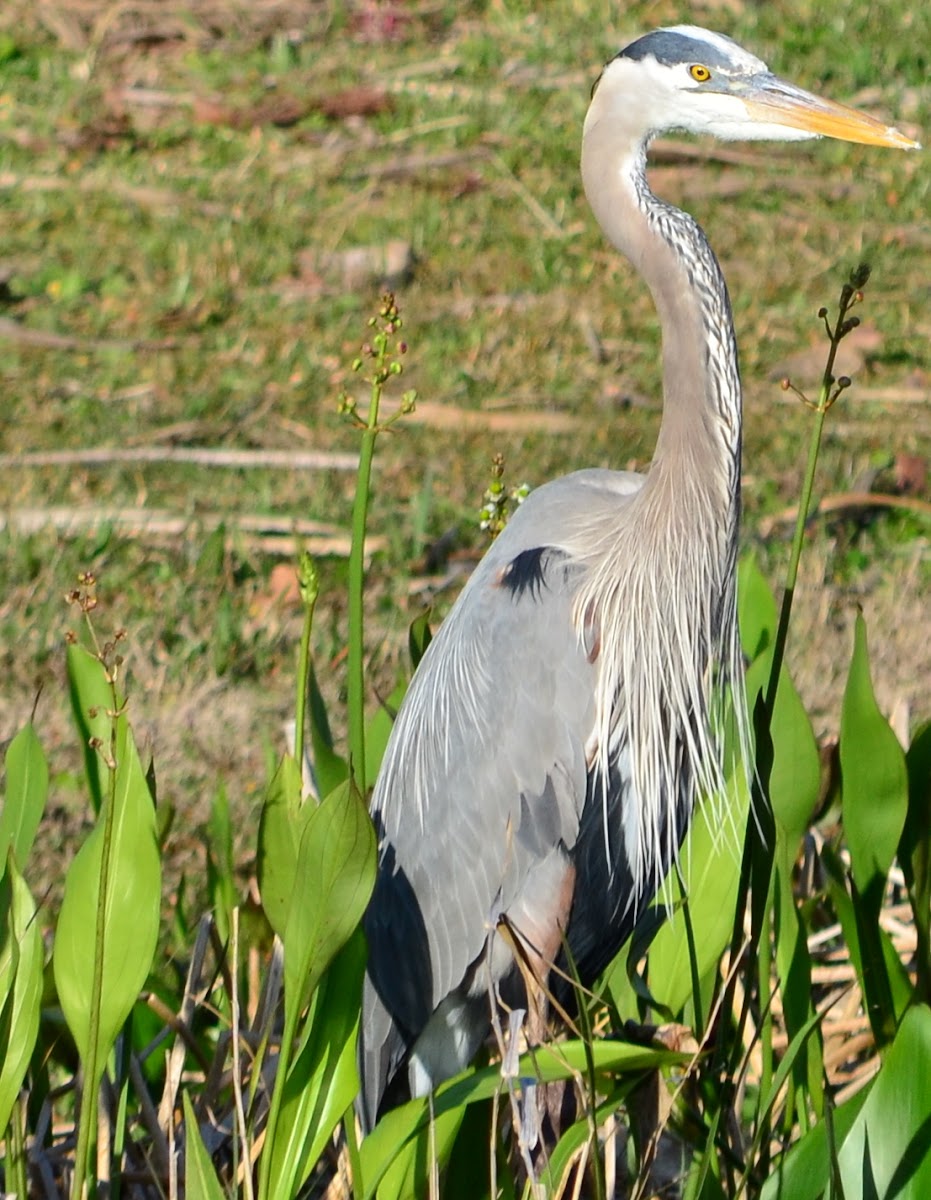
x: 687, y: 78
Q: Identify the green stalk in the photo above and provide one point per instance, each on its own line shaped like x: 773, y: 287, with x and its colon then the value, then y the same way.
x: 765, y: 993
x: 124, y: 1052
x: 309, y: 587
x: 16, y: 1148
x: 798, y: 539
x: 288, y: 1035
x: 383, y: 351
x: 758, y: 854
x: 93, y: 1072
x: 827, y: 394
x: 352, y: 1150
x: 356, y: 680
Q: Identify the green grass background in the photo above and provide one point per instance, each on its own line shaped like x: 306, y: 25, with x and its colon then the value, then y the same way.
x: 152, y: 212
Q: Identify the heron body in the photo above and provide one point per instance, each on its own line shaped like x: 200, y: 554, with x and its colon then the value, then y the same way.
x: 544, y: 765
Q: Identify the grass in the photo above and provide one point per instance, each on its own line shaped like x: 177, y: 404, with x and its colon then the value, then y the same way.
x: 175, y: 226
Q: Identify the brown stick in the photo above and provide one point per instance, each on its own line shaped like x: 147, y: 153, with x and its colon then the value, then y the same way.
x: 842, y: 500
x: 205, y: 456
x: 16, y: 332
x: 269, y: 534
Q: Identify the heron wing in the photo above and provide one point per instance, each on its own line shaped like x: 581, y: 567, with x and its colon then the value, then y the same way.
x: 486, y: 772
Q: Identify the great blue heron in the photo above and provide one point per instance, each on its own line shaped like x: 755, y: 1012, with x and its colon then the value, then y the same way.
x: 545, y: 762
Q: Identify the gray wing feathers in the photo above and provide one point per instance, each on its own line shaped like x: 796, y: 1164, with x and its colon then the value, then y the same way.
x: 487, y: 753
x: 485, y: 772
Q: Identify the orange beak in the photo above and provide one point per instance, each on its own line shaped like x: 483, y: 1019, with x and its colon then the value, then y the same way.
x: 772, y: 101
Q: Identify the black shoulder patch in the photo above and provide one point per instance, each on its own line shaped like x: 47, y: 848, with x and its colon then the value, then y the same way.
x: 527, y: 572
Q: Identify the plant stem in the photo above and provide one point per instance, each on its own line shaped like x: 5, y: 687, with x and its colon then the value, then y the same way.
x: 356, y: 680
x: 352, y: 1150
x: 16, y: 1149
x: 309, y: 587
x: 93, y: 1071
x: 384, y: 352
x: 798, y: 538
x: 756, y: 871
x: 288, y: 1035
x: 849, y: 294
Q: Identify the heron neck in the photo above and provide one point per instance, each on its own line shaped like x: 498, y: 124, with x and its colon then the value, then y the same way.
x: 701, y: 423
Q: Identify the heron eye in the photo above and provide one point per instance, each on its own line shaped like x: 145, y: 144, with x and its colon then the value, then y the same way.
x: 699, y: 73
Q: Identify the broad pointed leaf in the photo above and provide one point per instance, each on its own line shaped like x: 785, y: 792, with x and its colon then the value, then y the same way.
x: 116, y: 874
x: 804, y: 1172
x: 200, y: 1179
x: 330, y: 769
x: 220, y: 884
x: 888, y: 1151
x: 711, y: 870
x: 323, y: 1079
x: 874, y: 780
x: 404, y: 1133
x: 22, y: 958
x: 333, y: 880
x: 280, y: 826
x: 419, y: 637
x: 91, y: 702
x: 26, y: 793
x: 756, y: 610
x: 379, y: 731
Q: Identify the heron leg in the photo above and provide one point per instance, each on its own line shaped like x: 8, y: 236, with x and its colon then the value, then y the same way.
x: 534, y: 929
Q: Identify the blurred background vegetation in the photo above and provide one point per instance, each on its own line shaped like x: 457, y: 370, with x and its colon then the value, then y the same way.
x: 199, y: 204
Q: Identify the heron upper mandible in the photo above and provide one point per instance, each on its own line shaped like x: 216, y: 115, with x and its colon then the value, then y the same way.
x: 545, y: 762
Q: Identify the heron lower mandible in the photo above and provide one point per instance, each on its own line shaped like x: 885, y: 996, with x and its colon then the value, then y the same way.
x: 545, y: 762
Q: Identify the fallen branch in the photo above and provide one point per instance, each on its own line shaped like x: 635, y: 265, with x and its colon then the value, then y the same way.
x: 281, y: 536
x: 843, y: 500
x: 15, y: 332
x: 450, y: 416
x: 201, y: 456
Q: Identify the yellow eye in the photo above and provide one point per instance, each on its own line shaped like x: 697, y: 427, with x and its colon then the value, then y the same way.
x: 700, y: 73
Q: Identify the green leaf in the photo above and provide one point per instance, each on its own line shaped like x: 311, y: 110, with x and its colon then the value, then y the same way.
x: 563, y: 1155
x: 200, y: 1179
x: 26, y: 793
x: 280, y: 827
x: 756, y: 610
x: 479, y: 1144
x: 330, y: 769
x: 915, y: 853
x: 787, y: 1065
x: 410, y: 1169
x: 795, y: 776
x: 711, y: 871
x: 915, y: 846
x: 379, y: 731
x: 793, y: 968
x: 220, y: 884
x: 874, y: 780
x: 22, y: 958
x: 91, y: 702
x: 805, y: 1171
x: 883, y: 978
x: 323, y: 1079
x: 794, y: 783
x: 419, y: 637
x: 888, y: 1151
x: 404, y: 1132
x: 116, y: 872
x: 333, y: 880
x: 914, y: 849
